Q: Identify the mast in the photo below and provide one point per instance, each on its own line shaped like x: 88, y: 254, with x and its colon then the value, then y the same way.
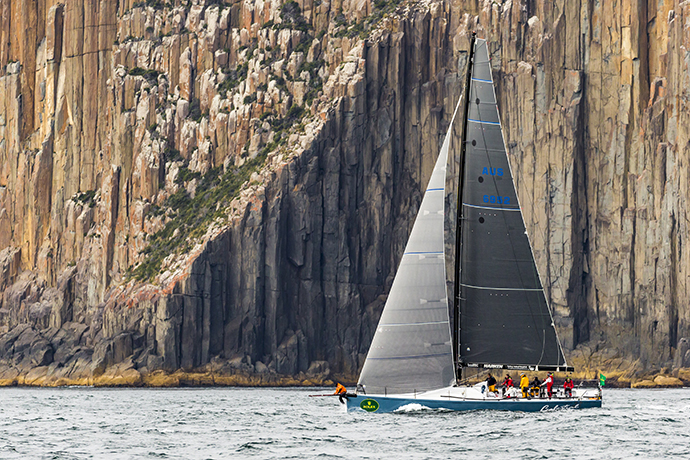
x: 456, y: 293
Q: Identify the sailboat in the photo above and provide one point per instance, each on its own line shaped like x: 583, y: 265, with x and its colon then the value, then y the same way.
x: 501, y: 319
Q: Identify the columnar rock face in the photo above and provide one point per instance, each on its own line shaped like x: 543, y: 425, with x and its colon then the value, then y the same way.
x: 229, y: 186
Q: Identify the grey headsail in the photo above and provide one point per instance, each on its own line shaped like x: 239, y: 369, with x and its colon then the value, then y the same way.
x: 504, y: 316
x: 411, y: 350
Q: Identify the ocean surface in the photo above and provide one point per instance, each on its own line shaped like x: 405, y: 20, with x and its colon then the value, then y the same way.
x: 267, y: 423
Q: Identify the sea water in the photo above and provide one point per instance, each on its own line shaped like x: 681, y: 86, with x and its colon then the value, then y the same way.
x: 267, y: 423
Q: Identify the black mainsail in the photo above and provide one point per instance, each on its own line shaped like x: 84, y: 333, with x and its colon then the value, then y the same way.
x: 503, y: 315
x: 505, y: 320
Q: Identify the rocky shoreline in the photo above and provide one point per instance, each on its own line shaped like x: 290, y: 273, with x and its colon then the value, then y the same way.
x: 125, y: 375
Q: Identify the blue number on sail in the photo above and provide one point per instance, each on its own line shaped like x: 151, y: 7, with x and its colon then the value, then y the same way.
x: 493, y: 199
x: 492, y: 171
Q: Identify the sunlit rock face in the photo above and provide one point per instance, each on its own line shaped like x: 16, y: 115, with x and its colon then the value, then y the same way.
x: 228, y: 187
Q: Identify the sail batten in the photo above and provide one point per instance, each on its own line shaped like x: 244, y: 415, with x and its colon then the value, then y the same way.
x: 412, y: 324
x: 495, y: 123
x: 489, y: 207
x: 406, y: 357
x: 493, y: 288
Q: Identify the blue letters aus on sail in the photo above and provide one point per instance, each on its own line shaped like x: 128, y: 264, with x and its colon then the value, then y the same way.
x: 492, y: 171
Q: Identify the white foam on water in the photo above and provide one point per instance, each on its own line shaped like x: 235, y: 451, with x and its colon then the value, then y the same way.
x: 557, y: 408
x: 412, y: 407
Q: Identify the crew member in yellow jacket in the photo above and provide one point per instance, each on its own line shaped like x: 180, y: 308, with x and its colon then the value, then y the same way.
x: 524, y: 385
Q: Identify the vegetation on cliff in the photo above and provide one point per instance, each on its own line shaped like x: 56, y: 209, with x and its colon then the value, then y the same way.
x: 190, y: 217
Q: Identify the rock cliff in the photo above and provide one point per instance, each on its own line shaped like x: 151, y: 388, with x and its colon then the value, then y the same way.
x: 214, y: 192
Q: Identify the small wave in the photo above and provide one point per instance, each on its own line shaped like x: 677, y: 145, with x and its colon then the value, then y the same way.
x: 305, y: 438
x: 412, y: 407
x: 558, y: 408
x: 255, y: 444
x: 496, y: 434
x: 247, y: 446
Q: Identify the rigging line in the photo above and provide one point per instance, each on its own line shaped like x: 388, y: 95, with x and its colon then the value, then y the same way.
x: 543, y: 233
x: 548, y: 309
x: 504, y: 216
x: 543, y: 346
x: 539, y: 231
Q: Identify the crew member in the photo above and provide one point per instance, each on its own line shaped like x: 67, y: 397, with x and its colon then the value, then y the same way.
x: 548, y: 382
x: 536, y: 386
x: 507, y: 383
x: 491, y: 383
x: 524, y: 385
x: 340, y: 390
x: 568, y: 387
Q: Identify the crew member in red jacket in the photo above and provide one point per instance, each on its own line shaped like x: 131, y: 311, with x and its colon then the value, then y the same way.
x: 507, y: 383
x: 568, y: 387
x: 549, y: 383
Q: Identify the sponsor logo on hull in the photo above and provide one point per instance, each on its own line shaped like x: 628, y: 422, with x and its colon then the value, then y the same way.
x: 369, y: 405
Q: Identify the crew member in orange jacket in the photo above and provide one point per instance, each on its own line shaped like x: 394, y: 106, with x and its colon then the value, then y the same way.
x: 340, y: 390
